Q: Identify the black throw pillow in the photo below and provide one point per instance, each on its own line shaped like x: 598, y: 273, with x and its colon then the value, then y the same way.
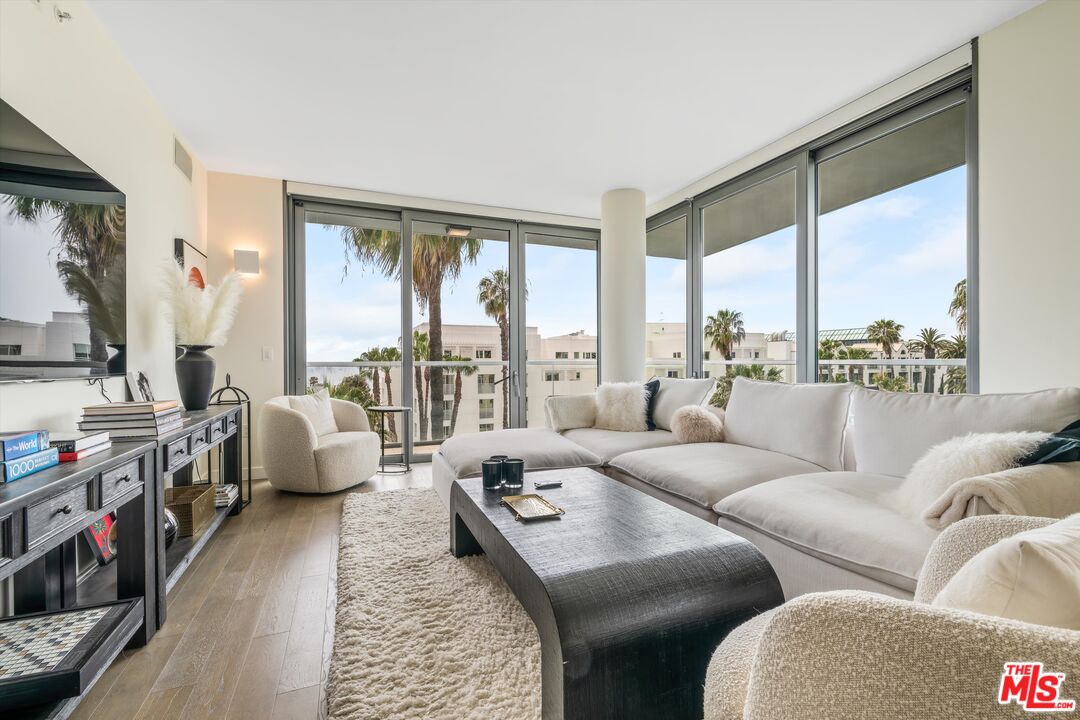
x: 652, y: 389
x: 1059, y: 447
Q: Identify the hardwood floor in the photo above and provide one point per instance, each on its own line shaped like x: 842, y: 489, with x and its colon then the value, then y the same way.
x: 251, y: 623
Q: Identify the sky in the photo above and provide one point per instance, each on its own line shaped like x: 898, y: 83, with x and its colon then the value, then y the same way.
x: 30, y: 289
x: 897, y: 255
x: 347, y: 314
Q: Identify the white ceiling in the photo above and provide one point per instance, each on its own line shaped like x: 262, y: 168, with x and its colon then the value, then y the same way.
x: 532, y: 105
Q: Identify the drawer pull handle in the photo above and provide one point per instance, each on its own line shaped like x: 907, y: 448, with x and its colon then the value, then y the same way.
x: 123, y: 478
x: 66, y: 509
x: 180, y: 451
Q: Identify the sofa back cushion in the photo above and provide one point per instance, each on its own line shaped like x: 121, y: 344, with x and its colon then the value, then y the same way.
x: 317, y: 409
x: 676, y: 393
x: 893, y: 430
x: 803, y: 421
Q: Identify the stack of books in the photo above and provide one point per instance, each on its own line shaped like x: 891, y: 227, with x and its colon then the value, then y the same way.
x: 25, y: 452
x: 131, y: 420
x: 76, y: 446
x: 224, y: 495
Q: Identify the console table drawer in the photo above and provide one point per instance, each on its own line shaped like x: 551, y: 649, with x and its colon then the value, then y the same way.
x: 120, y: 480
x: 56, y: 514
x: 200, y: 439
x: 218, y: 428
x: 231, y: 422
x: 176, y: 452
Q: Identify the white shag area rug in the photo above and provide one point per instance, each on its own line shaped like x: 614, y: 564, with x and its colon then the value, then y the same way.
x: 418, y: 633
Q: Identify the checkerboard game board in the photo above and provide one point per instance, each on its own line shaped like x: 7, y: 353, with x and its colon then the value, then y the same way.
x: 39, y: 644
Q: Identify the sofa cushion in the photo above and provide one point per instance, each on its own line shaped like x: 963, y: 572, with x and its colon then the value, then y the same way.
x: 622, y: 406
x: 566, y: 412
x: 804, y: 421
x: 893, y: 430
x: 540, y: 448
x: 676, y: 393
x: 607, y: 444
x: 705, y: 473
x: 838, y: 517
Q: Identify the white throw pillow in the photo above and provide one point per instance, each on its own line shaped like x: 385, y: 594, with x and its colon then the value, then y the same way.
x: 1033, y: 576
x: 696, y: 424
x: 317, y: 409
x: 963, y: 457
x: 622, y: 407
x: 675, y: 393
x: 569, y: 412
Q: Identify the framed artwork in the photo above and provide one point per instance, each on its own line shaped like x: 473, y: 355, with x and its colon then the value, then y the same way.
x: 101, y: 536
x: 139, y: 386
x: 189, y: 256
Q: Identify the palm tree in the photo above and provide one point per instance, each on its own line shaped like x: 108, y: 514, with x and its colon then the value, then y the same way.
x: 421, y: 351
x: 435, y: 259
x: 459, y: 372
x: 854, y: 353
x: 92, y: 238
x: 724, y: 331
x: 955, y: 380
x: 885, y: 333
x: 890, y: 383
x: 958, y: 306
x: 754, y: 372
x: 493, y: 294
x: 827, y: 350
x: 372, y: 355
x: 930, y: 342
x: 390, y: 354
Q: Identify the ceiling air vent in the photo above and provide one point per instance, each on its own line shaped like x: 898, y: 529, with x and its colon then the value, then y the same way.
x: 181, y: 158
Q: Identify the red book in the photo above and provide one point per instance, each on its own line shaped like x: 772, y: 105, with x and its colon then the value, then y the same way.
x: 73, y: 456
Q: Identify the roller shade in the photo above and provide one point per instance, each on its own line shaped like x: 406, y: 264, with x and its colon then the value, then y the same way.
x: 759, y: 210
x: 912, y: 153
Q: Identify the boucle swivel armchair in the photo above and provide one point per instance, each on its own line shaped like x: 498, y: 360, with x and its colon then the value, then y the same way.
x: 852, y: 655
x: 316, y: 444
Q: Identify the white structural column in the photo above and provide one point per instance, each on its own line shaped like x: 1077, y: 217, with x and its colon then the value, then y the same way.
x: 622, y: 285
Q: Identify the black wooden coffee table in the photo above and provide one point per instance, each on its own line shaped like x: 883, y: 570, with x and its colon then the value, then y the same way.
x: 630, y: 595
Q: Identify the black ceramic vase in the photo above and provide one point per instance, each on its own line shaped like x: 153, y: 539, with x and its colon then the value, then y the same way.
x: 171, y: 526
x: 195, y: 376
x: 117, y: 364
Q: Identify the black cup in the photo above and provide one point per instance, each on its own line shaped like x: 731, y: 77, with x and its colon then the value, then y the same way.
x: 492, y: 471
x: 513, y: 471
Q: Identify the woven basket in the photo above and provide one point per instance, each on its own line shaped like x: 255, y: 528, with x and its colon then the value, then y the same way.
x: 193, y: 506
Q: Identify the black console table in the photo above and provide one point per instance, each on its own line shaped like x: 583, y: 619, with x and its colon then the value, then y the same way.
x: 42, y: 516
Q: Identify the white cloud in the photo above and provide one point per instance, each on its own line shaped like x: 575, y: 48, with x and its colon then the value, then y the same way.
x: 747, y: 261
x: 944, y: 247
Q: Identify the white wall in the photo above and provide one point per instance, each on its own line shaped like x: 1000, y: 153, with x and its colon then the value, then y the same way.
x: 1029, y: 160
x: 245, y: 213
x: 72, y: 82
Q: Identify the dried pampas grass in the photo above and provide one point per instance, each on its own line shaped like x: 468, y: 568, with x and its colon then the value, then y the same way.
x: 201, y: 316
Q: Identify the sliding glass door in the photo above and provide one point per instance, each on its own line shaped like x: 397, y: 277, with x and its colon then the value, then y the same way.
x: 427, y: 310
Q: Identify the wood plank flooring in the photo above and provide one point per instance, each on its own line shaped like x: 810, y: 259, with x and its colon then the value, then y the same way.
x: 251, y: 623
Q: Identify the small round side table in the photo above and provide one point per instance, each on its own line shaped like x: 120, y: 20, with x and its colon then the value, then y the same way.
x: 406, y: 414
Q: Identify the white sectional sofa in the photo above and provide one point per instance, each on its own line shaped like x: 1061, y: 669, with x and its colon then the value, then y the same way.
x: 804, y: 471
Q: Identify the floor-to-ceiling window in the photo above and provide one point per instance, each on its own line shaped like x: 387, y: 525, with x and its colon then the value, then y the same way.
x: 445, y: 331
x: 748, y: 280
x: 892, y: 255
x: 666, y: 350
x: 847, y: 260
x: 561, y: 319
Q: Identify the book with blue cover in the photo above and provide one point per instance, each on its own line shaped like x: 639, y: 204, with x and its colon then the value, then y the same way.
x: 30, y: 464
x: 22, y: 443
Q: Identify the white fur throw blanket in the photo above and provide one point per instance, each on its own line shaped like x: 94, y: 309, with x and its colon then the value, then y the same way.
x: 622, y: 407
x: 941, y: 483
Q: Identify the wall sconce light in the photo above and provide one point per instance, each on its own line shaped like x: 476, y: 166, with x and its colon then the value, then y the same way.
x: 246, y: 262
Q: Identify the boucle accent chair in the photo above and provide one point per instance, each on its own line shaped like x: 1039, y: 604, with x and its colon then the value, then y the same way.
x: 848, y: 655
x: 298, y: 458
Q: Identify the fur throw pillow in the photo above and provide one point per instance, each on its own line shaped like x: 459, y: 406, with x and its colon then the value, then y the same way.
x: 696, y: 424
x: 622, y: 407
x: 960, y: 458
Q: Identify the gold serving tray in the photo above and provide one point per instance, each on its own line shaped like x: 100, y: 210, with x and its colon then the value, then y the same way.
x: 531, y: 507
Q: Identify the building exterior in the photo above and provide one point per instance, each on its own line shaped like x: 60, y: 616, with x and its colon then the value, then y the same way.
x: 64, y: 338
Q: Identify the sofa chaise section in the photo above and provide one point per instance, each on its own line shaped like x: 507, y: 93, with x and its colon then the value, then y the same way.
x: 540, y: 448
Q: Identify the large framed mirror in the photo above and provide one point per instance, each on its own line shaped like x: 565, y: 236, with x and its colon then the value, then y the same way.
x: 63, y: 256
